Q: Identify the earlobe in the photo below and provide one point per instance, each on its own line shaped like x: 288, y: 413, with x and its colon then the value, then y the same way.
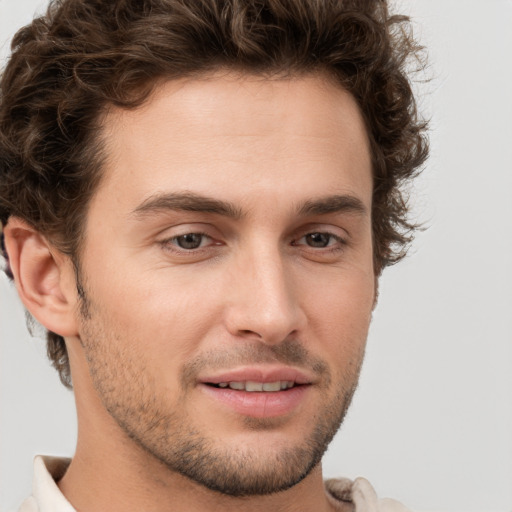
x: 43, y: 276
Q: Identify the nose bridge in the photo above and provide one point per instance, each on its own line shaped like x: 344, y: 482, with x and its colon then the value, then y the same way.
x: 265, y: 304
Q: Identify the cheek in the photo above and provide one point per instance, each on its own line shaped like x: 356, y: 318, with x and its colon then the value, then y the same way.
x: 163, y: 312
x: 341, y: 322
x: 340, y: 311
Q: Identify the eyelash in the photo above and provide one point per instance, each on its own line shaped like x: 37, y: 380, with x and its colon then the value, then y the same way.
x: 338, y: 246
x: 171, y: 244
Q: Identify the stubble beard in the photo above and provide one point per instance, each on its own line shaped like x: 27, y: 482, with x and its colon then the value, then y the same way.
x: 129, y: 393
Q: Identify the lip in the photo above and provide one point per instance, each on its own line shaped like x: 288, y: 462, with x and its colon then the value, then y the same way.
x: 258, y: 404
x: 259, y: 374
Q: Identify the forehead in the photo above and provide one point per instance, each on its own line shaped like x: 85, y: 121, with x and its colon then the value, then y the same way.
x: 214, y: 132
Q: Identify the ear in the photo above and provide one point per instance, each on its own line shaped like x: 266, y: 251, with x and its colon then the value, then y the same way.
x: 44, y: 277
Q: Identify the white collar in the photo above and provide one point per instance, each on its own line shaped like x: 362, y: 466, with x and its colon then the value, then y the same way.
x: 45, y: 492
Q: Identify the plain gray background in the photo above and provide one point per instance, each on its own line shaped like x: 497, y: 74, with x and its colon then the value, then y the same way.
x: 431, y: 424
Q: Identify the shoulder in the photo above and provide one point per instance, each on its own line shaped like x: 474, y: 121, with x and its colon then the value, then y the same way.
x: 361, y: 494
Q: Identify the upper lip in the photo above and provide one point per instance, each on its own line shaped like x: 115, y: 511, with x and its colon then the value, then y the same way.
x: 259, y: 374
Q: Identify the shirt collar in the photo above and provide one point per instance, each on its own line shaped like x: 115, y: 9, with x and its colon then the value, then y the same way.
x: 47, y: 471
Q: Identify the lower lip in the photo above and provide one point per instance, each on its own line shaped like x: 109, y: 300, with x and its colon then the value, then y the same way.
x: 259, y: 404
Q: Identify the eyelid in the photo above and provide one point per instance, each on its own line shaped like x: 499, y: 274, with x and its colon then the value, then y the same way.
x: 175, y: 230
x: 201, y: 234
x: 168, y: 242
x: 339, y: 241
x: 319, y: 227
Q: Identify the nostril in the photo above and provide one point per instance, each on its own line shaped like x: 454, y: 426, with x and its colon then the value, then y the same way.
x: 248, y: 332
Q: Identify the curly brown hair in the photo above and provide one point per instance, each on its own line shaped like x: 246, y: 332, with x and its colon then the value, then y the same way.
x: 66, y: 67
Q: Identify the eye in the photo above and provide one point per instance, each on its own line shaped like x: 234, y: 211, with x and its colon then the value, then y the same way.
x: 189, y: 241
x: 320, y: 240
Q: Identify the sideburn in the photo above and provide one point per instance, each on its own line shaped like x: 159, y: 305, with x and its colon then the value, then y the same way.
x: 82, y: 296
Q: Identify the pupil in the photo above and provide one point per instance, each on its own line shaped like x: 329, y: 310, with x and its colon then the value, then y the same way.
x: 190, y: 241
x: 318, y: 239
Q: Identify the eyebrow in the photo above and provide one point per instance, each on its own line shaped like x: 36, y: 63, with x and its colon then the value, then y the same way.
x: 333, y: 204
x: 191, y: 202
x: 186, y: 201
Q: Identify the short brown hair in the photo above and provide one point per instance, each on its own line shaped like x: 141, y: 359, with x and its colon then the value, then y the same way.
x: 84, y: 55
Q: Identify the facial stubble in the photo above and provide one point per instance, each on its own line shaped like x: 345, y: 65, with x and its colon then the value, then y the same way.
x: 130, y: 394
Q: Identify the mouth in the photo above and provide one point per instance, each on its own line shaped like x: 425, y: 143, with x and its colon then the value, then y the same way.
x: 254, y: 386
x: 259, y: 392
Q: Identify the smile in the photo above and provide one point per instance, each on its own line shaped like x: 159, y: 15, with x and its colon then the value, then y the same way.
x: 252, y: 386
x: 259, y: 391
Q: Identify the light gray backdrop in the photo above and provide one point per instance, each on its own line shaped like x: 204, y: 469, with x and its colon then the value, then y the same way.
x: 431, y: 423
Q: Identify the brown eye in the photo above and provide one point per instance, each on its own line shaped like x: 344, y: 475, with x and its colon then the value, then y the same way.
x: 190, y: 241
x: 318, y: 239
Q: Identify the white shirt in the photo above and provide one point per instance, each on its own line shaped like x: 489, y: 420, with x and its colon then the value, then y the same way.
x: 46, y: 496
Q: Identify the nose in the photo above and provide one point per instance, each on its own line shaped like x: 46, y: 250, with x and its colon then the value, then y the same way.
x: 263, y: 301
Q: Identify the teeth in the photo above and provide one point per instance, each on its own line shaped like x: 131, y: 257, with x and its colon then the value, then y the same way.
x: 272, y: 386
x: 252, y: 386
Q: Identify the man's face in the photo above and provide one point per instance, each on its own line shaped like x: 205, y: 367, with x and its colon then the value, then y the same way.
x: 228, y: 276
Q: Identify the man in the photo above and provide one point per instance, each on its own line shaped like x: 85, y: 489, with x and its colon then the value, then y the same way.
x: 197, y: 199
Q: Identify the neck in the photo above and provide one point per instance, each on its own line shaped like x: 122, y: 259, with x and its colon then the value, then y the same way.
x: 111, y: 478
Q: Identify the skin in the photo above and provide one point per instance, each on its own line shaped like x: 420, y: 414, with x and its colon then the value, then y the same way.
x: 289, y: 160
